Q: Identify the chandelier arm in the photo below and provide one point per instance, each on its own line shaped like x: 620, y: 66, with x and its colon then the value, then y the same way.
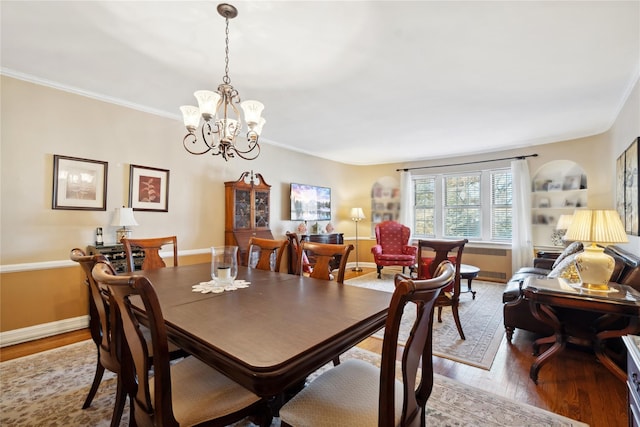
x: 241, y: 153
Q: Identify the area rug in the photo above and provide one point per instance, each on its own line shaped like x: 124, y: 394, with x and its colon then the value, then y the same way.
x: 48, y: 389
x: 481, y: 320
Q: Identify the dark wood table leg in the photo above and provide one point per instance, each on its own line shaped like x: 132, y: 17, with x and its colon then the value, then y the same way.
x: 599, y: 347
x: 547, y: 315
x: 469, y: 278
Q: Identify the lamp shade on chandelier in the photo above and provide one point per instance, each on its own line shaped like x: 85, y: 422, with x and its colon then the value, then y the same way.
x: 221, y: 118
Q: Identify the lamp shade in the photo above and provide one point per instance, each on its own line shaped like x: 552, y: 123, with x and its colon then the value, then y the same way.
x: 123, y: 218
x: 564, y: 222
x: 596, y: 226
x: 357, y: 214
x: 603, y: 227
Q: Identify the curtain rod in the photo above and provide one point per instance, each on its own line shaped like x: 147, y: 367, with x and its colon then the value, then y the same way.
x: 469, y: 163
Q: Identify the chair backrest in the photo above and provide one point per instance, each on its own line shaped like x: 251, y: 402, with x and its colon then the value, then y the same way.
x: 136, y: 367
x: 265, y: 254
x: 418, y: 349
x: 321, y: 257
x: 432, y: 252
x: 294, y: 253
x: 151, y: 248
x: 392, y: 236
x: 101, y: 325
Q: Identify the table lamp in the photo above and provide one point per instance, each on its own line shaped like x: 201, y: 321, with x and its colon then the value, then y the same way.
x: 357, y: 215
x: 557, y: 237
x: 123, y: 218
x: 602, y: 227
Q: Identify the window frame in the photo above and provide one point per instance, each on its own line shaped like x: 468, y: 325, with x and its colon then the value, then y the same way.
x: 486, y: 204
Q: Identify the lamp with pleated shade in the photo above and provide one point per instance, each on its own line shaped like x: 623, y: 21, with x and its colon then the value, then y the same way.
x: 601, y: 228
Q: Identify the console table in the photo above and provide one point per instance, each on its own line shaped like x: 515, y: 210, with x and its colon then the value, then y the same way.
x: 547, y: 299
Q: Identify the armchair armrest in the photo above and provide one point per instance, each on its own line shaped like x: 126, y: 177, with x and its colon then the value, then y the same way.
x: 410, y: 250
x: 376, y: 250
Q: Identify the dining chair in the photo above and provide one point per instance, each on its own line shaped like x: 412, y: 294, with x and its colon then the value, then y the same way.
x: 265, y: 254
x: 100, y: 326
x: 293, y: 263
x: 183, y: 393
x: 151, y: 248
x: 358, y: 393
x: 316, y: 260
x: 430, y: 254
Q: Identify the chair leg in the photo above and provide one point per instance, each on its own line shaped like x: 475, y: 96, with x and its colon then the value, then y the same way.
x: 121, y: 399
x: 456, y: 317
x: 336, y: 361
x: 97, y: 378
x: 440, y: 314
x: 379, y: 268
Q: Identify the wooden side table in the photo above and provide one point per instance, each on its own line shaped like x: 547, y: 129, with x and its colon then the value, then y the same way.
x: 547, y: 298
x: 469, y: 272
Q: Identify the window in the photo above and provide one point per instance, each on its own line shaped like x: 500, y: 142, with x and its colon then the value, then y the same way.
x: 472, y: 205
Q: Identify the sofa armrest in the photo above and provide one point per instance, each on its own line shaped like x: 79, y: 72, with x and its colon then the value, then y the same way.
x: 546, y: 263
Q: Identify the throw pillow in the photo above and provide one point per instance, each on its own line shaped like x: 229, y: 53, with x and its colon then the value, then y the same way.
x: 572, y: 249
x: 566, y: 269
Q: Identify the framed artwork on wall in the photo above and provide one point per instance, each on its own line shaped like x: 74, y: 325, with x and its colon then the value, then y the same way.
x: 627, y: 188
x: 148, y: 189
x: 631, y: 188
x: 79, y: 184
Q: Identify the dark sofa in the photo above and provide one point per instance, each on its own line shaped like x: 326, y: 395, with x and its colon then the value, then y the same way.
x: 516, y: 309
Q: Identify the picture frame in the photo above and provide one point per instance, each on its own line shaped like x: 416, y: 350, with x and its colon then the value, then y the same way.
x: 631, y: 188
x: 79, y: 184
x: 571, y: 182
x: 148, y: 189
x: 555, y: 186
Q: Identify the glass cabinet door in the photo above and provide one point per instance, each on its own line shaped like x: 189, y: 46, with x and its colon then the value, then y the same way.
x: 242, y: 214
x: 261, y: 209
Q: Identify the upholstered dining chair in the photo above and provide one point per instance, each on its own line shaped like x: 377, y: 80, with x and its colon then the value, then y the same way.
x: 430, y: 254
x: 265, y: 254
x: 392, y: 246
x: 102, y: 334
x: 358, y: 393
x: 184, y: 393
x: 151, y: 248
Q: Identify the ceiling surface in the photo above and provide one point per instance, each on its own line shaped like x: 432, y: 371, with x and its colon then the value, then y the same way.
x: 359, y: 82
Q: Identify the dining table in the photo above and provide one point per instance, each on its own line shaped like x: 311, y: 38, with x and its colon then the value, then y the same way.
x: 270, y: 335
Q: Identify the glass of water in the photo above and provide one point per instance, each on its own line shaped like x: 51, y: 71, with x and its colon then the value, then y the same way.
x: 224, y: 264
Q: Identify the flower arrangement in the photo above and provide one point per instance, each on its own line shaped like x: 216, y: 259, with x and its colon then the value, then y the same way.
x: 329, y: 228
x: 302, y: 228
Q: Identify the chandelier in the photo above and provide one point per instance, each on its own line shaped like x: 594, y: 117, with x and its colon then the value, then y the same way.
x: 222, y: 120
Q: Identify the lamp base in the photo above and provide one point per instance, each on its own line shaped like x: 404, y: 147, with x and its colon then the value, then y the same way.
x: 122, y: 233
x: 595, y: 268
x: 356, y: 269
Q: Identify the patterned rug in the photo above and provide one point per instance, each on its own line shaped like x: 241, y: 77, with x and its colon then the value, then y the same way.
x: 481, y: 320
x: 48, y: 389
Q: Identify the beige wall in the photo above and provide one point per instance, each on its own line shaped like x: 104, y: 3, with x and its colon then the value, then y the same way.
x: 38, y: 122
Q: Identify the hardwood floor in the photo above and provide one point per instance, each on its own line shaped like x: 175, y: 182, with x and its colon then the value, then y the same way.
x: 573, y: 384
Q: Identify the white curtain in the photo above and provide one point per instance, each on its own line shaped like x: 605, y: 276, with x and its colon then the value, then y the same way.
x: 406, y: 200
x: 521, y: 239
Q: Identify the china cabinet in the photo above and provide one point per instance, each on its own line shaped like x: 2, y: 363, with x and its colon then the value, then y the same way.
x: 247, y: 209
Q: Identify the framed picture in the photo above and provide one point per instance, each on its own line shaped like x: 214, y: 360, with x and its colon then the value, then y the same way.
x: 555, y: 186
x: 631, y: 196
x: 620, y: 207
x: 79, y: 184
x: 571, y: 182
x: 148, y: 189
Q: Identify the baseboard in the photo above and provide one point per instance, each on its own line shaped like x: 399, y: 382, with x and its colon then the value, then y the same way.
x: 44, y: 330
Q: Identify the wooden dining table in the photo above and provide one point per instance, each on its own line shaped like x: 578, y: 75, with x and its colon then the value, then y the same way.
x: 271, y: 335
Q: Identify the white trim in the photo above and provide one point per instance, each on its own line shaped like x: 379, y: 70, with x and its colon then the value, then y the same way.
x: 50, y: 265
x: 43, y: 330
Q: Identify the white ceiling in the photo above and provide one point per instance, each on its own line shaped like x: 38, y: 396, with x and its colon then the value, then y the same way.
x: 361, y: 82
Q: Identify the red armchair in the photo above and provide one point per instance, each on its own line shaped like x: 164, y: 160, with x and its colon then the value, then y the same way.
x: 393, y: 247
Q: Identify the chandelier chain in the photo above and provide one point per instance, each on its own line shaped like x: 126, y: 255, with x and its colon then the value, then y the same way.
x: 226, y: 78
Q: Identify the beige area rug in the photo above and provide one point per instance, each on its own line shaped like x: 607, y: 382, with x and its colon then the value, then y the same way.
x: 481, y: 321
x: 48, y: 389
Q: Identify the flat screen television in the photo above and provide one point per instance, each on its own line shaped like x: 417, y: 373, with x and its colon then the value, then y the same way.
x: 310, y: 203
